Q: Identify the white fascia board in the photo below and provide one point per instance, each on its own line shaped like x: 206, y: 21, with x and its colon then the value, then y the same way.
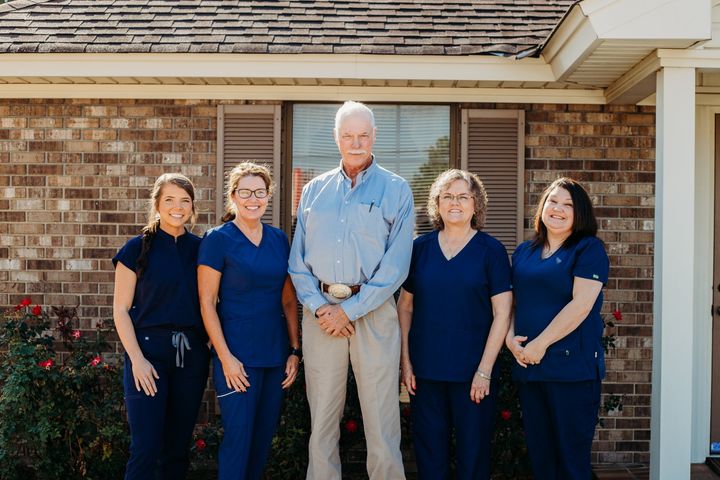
x: 370, y: 67
x: 305, y: 93
x: 707, y: 58
x: 636, y: 84
x: 570, y: 44
x: 649, y: 101
x: 688, y: 20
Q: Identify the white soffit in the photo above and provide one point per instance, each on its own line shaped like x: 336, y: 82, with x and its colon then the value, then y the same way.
x: 310, y: 92
x: 249, y: 66
x: 715, y: 41
x: 608, y: 62
x: 599, y: 41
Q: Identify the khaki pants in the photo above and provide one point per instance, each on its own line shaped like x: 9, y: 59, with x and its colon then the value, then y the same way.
x: 374, y: 351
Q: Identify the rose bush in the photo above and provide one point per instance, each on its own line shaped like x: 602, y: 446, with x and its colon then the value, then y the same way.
x: 61, y: 415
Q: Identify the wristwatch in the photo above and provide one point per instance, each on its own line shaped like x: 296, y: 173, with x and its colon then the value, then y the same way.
x: 295, y: 351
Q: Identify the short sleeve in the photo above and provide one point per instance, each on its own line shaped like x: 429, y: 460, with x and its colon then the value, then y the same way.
x: 129, y: 254
x: 499, y: 274
x: 591, y: 261
x: 212, y: 250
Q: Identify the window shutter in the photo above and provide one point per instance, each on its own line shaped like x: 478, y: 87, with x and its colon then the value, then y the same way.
x: 493, y: 147
x: 249, y: 133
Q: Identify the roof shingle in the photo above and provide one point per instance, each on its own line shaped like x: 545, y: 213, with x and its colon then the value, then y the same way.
x: 419, y: 27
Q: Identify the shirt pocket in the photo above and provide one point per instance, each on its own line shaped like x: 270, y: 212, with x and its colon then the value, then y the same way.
x: 369, y: 221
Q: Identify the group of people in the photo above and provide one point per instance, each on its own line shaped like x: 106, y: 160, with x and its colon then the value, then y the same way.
x: 231, y: 298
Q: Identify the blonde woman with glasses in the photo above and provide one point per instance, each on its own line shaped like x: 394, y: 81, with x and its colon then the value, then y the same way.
x: 249, y: 309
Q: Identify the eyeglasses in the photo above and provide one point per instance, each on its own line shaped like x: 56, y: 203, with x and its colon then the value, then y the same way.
x: 245, y: 193
x: 461, y: 198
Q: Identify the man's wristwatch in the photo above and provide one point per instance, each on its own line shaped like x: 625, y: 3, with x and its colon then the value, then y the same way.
x: 295, y: 351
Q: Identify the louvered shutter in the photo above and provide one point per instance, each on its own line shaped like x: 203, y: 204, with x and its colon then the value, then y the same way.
x: 250, y: 133
x: 493, y: 148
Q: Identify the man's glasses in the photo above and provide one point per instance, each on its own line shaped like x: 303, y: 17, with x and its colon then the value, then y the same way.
x: 245, y: 193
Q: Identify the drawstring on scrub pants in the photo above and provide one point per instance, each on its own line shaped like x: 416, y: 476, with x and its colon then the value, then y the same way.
x: 181, y: 343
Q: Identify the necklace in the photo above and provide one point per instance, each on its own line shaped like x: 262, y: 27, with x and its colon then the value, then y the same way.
x: 451, y: 249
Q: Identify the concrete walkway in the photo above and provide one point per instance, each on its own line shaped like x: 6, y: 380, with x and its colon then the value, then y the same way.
x: 642, y: 472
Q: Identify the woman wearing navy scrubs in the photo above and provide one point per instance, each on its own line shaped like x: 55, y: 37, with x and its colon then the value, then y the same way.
x: 557, y: 280
x: 157, y: 316
x: 250, y: 309
x: 454, y: 311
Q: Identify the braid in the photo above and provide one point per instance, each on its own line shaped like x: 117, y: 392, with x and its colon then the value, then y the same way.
x: 148, y: 235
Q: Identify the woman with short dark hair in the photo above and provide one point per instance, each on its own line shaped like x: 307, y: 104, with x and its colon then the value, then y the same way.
x: 555, y: 337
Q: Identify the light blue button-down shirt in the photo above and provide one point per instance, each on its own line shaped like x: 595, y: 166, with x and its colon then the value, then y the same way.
x: 358, y: 235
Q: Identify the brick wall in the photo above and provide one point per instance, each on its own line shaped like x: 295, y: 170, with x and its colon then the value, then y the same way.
x: 611, y: 150
x: 75, y: 176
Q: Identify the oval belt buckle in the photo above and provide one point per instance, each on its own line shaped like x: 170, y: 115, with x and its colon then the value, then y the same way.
x: 339, y: 291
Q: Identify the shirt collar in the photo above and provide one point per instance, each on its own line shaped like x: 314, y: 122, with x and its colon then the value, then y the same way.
x: 362, y: 176
x: 160, y: 233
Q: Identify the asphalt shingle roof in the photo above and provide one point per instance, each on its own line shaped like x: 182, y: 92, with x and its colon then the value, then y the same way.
x: 410, y: 27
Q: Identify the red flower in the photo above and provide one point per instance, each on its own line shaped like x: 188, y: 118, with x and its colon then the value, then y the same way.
x: 75, y: 334
x: 46, y: 364
x: 617, y: 314
x: 200, y: 444
x: 36, y: 310
x: 506, y: 415
x: 351, y: 426
x: 23, y: 303
x: 96, y: 361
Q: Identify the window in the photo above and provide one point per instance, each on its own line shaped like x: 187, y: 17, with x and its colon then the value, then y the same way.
x: 412, y: 141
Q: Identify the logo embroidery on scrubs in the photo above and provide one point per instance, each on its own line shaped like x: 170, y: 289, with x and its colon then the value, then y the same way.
x: 558, y: 260
x: 596, y: 277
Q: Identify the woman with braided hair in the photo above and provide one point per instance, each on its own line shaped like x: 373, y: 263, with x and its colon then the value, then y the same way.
x: 157, y: 316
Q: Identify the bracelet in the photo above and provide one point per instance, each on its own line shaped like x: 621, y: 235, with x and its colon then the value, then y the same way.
x: 295, y: 351
x: 482, y: 374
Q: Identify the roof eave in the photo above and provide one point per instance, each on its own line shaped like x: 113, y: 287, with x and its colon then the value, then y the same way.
x: 654, y: 24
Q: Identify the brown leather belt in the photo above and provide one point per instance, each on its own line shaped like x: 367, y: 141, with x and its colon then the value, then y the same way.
x: 354, y: 289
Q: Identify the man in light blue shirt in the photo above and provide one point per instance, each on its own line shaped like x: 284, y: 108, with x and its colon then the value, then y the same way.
x: 350, y: 253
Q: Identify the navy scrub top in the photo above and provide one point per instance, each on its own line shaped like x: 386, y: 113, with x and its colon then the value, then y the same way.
x: 166, y: 295
x: 542, y: 288
x: 452, y: 310
x: 250, y: 293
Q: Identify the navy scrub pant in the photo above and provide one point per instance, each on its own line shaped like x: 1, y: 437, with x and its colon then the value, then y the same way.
x: 249, y: 421
x: 436, y: 409
x: 559, y: 420
x: 161, y: 427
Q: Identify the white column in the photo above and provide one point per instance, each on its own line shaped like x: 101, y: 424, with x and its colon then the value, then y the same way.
x: 672, y: 374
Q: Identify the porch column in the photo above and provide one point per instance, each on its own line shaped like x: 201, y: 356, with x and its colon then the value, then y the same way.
x: 672, y: 375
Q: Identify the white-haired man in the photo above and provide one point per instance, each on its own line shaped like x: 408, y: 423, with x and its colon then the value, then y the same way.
x: 350, y: 253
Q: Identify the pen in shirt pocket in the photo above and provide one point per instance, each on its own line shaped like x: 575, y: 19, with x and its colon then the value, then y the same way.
x: 371, y: 205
